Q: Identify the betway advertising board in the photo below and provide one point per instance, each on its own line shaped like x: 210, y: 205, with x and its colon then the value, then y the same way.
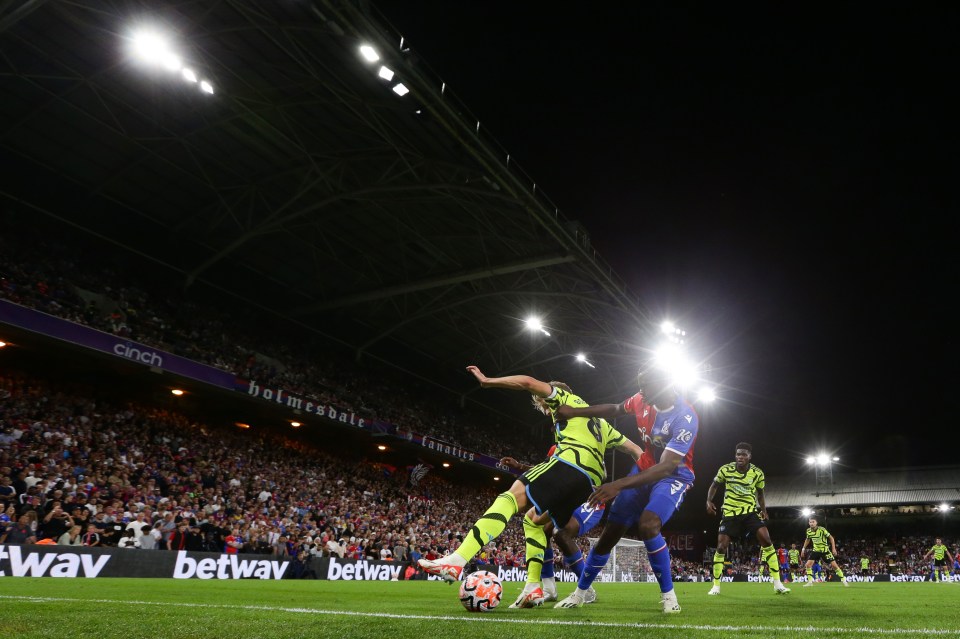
x: 90, y: 563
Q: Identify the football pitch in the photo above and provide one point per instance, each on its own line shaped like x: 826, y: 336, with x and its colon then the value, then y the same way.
x: 161, y: 609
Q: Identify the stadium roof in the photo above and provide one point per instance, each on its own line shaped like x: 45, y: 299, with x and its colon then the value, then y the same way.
x: 866, y: 488
x: 305, y: 185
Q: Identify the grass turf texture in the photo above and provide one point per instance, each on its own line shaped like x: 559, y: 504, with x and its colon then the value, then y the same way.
x: 160, y: 609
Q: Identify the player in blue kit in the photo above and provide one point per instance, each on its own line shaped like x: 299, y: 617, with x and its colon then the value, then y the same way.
x: 654, y: 489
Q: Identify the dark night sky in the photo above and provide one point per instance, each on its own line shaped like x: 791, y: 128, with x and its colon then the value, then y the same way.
x: 776, y: 181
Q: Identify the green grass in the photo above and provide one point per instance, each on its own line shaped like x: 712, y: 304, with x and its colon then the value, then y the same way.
x: 158, y: 609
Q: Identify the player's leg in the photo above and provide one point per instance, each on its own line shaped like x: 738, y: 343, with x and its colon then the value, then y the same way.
x: 485, y: 530
x: 768, y: 555
x: 547, y: 576
x: 719, y: 559
x: 583, y: 520
x: 658, y: 512
x: 836, y: 567
x: 809, y: 571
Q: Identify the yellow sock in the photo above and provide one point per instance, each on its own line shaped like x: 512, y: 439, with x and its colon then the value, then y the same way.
x: 717, y: 568
x: 489, y: 526
x: 536, y: 546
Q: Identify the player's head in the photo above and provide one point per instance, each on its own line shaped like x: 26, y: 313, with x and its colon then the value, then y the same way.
x: 656, y: 384
x: 813, y: 522
x: 794, y: 546
x: 540, y: 403
x: 939, y: 541
x: 744, y: 453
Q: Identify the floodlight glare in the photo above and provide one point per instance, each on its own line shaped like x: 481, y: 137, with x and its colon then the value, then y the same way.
x: 206, y: 87
x: 707, y: 395
x: 583, y: 360
x: 944, y: 507
x: 369, y: 53
x: 2, y: 344
x: 401, y: 90
x: 806, y: 512
x: 836, y: 459
x: 823, y: 459
x: 386, y: 73
x: 811, y: 459
x: 667, y: 327
x: 533, y: 323
x: 189, y: 75
x: 171, y: 62
x: 150, y: 47
x: 671, y: 360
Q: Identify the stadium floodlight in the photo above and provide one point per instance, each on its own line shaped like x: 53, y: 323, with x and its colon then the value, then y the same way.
x: 671, y: 360
x: 2, y: 344
x: 386, y: 73
x: 206, y: 87
x: 707, y: 395
x: 496, y: 479
x: 533, y: 323
x: 369, y: 53
x: 189, y: 75
x: 296, y: 424
x: 381, y: 447
x: 836, y: 459
x: 667, y: 327
x: 944, y: 507
x: 177, y: 392
x: 811, y: 460
x: 823, y: 459
x: 583, y: 360
x: 446, y: 464
x: 806, y: 512
x: 400, y: 89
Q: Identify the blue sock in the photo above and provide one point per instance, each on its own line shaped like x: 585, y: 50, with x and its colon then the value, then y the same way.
x: 592, y: 567
x: 575, y: 563
x: 547, y: 571
x: 659, y: 556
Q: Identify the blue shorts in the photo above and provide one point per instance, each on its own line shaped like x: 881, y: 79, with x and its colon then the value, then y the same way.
x: 662, y: 498
x: 587, y: 517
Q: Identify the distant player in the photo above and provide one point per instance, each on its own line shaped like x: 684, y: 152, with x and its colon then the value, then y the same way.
x: 824, y: 549
x: 864, y: 564
x: 784, y: 562
x: 558, y: 486
x: 940, y: 557
x: 794, y: 556
x: 653, y: 490
x: 744, y: 513
x: 584, y: 519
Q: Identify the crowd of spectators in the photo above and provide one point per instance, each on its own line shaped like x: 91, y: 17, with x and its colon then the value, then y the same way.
x: 38, y: 272
x: 78, y: 470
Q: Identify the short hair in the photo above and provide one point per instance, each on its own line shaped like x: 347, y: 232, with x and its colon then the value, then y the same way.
x: 540, y: 404
x: 745, y: 446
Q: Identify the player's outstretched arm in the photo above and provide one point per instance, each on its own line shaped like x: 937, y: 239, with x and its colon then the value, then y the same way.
x: 608, y: 412
x: 631, y: 448
x: 512, y: 382
x: 513, y: 464
x: 606, y: 493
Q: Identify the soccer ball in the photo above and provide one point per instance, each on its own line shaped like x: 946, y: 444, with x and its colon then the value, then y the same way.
x: 481, y: 591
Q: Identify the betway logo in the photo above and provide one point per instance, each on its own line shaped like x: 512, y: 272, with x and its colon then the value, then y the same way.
x: 864, y: 578
x: 362, y: 571
x: 907, y: 578
x: 52, y: 564
x: 227, y: 567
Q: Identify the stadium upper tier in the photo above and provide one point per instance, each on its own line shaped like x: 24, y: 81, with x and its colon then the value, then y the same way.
x: 892, y: 487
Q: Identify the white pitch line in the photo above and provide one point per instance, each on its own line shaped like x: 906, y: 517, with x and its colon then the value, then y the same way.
x: 496, y: 619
